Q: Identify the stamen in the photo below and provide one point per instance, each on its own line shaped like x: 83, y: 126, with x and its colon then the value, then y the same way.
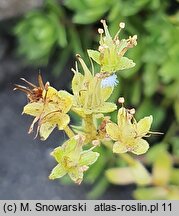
x: 96, y: 142
x: 29, y: 83
x: 100, y: 31
x: 121, y: 100
x: 101, y: 48
x: 132, y: 111
x: 122, y: 25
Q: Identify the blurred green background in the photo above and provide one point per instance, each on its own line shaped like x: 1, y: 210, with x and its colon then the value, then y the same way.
x: 54, y: 33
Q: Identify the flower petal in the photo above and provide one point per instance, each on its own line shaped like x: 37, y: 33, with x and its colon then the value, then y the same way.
x: 112, y: 130
x: 45, y: 130
x: 143, y: 126
x: 58, y: 154
x: 63, y: 121
x: 119, y: 147
x: 66, y: 100
x: 50, y: 93
x: 77, y: 82
x: 70, y: 146
x: 95, y: 55
x: 140, y: 147
x: 57, y: 172
x: 88, y: 157
x: 124, y: 63
x: 106, y: 92
x: 105, y: 108
x: 76, y: 174
x: 33, y: 109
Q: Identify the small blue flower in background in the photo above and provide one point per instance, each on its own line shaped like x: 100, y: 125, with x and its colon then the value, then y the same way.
x: 110, y: 81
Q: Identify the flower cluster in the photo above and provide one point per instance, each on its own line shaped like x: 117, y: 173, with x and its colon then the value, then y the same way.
x: 90, y: 92
x: 89, y: 95
x: 110, y: 54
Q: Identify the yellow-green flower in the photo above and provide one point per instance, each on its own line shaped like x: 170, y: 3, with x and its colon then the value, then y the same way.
x: 72, y: 159
x: 112, y: 50
x: 128, y: 133
x: 50, y: 111
x: 89, y: 95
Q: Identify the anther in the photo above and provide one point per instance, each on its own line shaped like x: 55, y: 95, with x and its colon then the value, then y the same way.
x: 122, y: 25
x: 121, y: 100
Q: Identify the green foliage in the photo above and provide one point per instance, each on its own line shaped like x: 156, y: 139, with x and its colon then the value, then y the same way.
x: 151, y: 86
x: 39, y: 32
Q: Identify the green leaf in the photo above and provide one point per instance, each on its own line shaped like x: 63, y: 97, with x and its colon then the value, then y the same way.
x: 151, y: 193
x: 169, y: 70
x: 173, y: 193
x: 175, y: 145
x: 151, y: 79
x: 75, y: 5
x: 99, y: 188
x: 89, y: 16
x: 114, y: 12
x: 140, y: 173
x: 120, y: 176
x: 176, y: 108
x: 174, y: 177
x: 154, y: 151
x: 96, y: 169
x: 147, y: 107
x: 128, y: 175
x: 162, y: 169
x: 127, y: 10
x: 135, y: 91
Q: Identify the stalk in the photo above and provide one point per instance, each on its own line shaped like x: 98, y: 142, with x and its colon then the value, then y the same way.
x: 69, y: 131
x: 90, y: 128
